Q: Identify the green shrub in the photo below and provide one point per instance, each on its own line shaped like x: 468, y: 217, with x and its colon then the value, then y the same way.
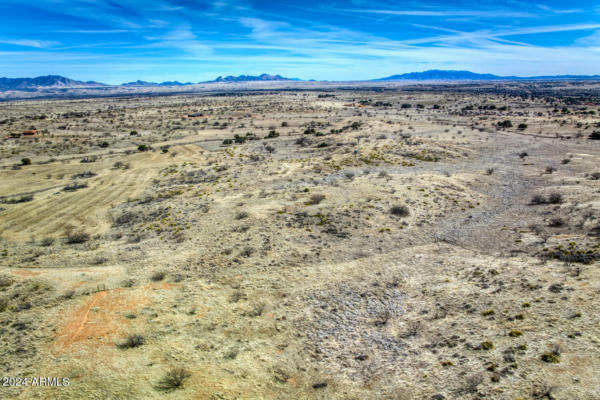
x: 272, y: 134
x: 487, y: 345
x: 551, y: 358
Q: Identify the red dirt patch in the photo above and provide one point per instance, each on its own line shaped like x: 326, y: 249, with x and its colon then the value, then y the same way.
x: 161, y: 285
x: 98, y: 320
x: 25, y: 272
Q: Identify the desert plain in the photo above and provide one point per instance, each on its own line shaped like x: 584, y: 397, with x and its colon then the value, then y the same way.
x: 426, y: 242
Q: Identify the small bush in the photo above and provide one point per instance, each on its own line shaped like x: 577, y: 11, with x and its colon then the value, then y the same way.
x: 505, y: 124
x: 522, y: 127
x: 84, y: 175
x: 5, y: 280
x: 302, y: 141
x: 555, y: 198
x: 247, y: 252
x: 595, y: 135
x: 76, y: 237
x: 131, y: 341
x: 551, y: 358
x: 316, y: 199
x: 556, y: 222
x: 241, y: 215
x: 74, y: 187
x: 25, y: 161
x: 487, y: 345
x: 47, y: 241
x: 88, y: 159
x: 399, y: 211
x: 126, y: 218
x: 538, y: 199
x: 23, y: 199
x: 143, y: 147
x: 173, y: 379
x: 158, y: 276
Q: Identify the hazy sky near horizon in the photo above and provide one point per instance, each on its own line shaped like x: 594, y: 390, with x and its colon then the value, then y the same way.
x: 116, y: 41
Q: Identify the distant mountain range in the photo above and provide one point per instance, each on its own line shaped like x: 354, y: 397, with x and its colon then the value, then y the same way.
x: 60, y: 82
x: 445, y: 75
x: 144, y: 83
x: 43, y: 82
x: 250, y: 78
x: 56, y: 81
x: 227, y: 79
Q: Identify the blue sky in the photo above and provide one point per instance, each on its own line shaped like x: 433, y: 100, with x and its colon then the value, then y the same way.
x: 116, y: 41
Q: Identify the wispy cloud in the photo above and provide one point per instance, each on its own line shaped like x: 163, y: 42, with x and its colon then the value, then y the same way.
x: 182, y: 39
x: 447, y: 13
x: 590, y: 40
x: 94, y: 31
x: 29, y: 43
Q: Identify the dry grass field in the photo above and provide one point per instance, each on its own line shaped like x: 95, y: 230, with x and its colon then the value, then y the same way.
x: 321, y: 244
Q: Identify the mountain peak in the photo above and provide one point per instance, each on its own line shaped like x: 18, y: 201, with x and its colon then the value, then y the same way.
x: 47, y: 81
x: 437, y: 74
x: 251, y: 78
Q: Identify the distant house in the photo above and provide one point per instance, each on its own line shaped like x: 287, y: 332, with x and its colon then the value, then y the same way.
x: 30, y: 132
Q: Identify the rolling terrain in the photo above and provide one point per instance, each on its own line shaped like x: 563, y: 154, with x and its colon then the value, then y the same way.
x: 406, y: 243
